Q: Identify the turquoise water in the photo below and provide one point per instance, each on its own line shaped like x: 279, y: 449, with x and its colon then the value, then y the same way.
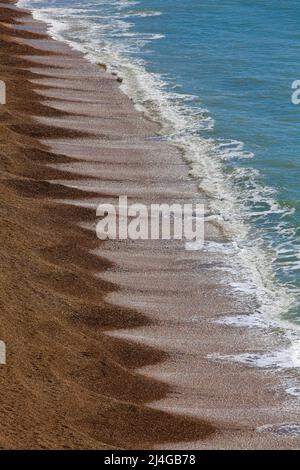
x: 219, y: 72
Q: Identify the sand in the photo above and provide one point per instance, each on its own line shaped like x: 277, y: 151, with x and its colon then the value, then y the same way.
x: 108, y: 343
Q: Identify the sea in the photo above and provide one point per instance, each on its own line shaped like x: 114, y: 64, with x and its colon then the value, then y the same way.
x: 218, y: 76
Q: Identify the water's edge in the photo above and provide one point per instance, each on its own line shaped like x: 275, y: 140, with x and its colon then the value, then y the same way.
x: 248, y: 266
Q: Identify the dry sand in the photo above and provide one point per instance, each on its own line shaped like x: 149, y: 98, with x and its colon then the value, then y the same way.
x: 108, y: 341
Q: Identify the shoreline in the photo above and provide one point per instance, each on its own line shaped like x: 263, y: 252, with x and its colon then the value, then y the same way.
x: 108, y: 322
x: 225, y: 205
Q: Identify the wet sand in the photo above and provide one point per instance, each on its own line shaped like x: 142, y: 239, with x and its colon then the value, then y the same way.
x: 108, y: 342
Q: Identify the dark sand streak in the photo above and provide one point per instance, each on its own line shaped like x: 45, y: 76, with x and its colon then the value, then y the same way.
x: 102, y: 352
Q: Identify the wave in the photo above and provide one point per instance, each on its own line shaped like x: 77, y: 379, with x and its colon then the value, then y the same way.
x: 142, y: 13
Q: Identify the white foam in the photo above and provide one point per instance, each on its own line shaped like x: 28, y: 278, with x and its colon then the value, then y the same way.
x: 142, y: 13
x: 282, y: 430
x: 254, y: 320
x: 286, y: 358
